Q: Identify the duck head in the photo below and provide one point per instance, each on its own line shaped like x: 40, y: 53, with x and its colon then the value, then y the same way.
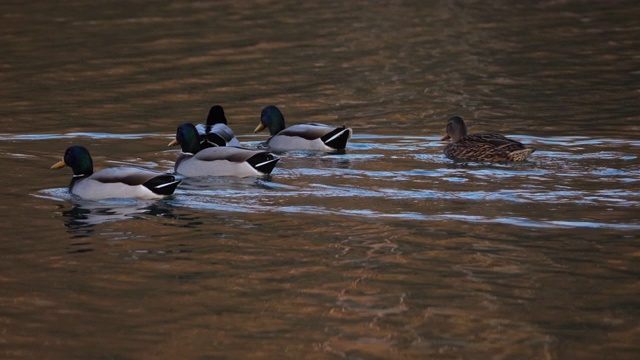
x: 271, y: 118
x: 78, y: 159
x: 216, y: 116
x: 456, y: 129
x: 188, y: 138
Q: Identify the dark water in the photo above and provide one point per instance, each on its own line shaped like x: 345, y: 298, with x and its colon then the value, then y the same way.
x: 387, y: 251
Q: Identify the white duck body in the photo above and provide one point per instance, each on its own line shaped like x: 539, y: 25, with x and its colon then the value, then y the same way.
x: 305, y: 137
x: 218, y: 161
x: 309, y: 136
x: 225, y: 161
x: 119, y: 182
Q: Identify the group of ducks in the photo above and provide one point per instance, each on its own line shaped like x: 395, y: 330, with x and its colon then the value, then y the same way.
x: 212, y: 149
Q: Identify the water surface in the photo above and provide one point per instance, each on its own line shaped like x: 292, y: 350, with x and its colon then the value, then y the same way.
x: 386, y: 251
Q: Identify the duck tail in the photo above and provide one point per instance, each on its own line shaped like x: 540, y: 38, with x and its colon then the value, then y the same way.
x: 211, y: 140
x: 264, y: 162
x: 163, y: 184
x: 337, y: 138
x: 521, y: 155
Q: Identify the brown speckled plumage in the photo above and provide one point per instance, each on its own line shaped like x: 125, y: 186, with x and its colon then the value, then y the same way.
x: 481, y: 147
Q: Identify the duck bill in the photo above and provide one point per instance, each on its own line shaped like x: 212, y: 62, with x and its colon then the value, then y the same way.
x: 259, y: 128
x: 59, y: 164
x: 173, y: 142
x: 446, y: 137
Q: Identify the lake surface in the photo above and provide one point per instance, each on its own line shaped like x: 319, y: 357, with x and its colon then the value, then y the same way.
x: 388, y: 251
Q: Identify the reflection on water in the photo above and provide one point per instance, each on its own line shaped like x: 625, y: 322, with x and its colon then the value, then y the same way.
x: 387, y: 250
x: 88, y: 214
x: 420, y: 253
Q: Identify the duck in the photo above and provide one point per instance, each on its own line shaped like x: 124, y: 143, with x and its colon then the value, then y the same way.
x: 490, y: 147
x: 216, y: 132
x: 118, y: 182
x: 310, y: 136
x: 218, y: 161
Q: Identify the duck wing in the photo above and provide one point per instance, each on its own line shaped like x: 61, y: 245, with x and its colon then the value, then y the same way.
x: 487, y: 147
x: 226, y: 161
x: 126, y: 175
x: 216, y: 135
x: 312, y: 136
x: 310, y: 131
x: 158, y: 183
x: 496, y: 140
x: 233, y: 154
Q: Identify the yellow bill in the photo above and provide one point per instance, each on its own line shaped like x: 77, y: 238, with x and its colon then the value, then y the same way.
x: 59, y: 164
x: 259, y: 128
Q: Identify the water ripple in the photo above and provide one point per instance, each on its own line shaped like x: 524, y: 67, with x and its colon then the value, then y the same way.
x: 73, y: 135
x: 414, y: 172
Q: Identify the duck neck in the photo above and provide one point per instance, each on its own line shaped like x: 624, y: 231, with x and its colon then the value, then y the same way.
x: 189, y: 139
x: 77, y: 178
x: 458, y: 132
x: 191, y: 147
x: 276, y: 124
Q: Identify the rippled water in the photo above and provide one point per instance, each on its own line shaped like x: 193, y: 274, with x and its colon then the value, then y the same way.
x: 389, y: 250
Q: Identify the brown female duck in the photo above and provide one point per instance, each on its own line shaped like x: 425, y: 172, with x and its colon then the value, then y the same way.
x: 481, y: 147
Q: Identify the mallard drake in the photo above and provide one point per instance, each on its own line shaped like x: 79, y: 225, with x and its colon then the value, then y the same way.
x: 118, y: 182
x: 309, y: 136
x: 481, y: 147
x: 218, y: 161
x: 216, y: 132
